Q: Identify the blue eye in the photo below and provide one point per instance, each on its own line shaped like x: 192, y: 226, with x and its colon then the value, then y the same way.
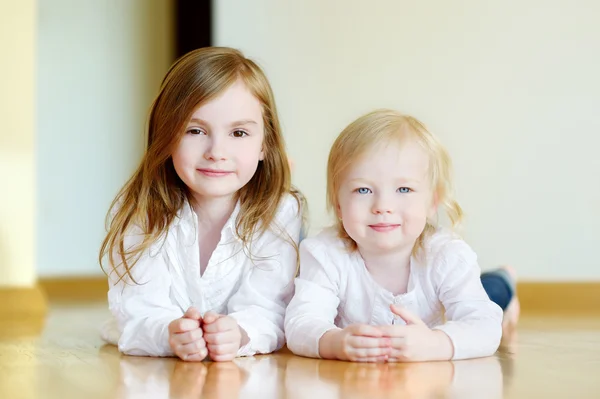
x: 363, y: 190
x: 404, y: 190
x: 239, y: 133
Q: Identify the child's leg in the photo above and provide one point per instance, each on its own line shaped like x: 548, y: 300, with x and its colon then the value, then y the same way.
x: 500, y: 285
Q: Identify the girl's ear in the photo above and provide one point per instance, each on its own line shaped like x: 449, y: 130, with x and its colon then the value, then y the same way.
x: 434, y: 205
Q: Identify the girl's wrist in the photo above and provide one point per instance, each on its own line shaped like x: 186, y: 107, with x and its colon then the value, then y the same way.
x: 444, y: 348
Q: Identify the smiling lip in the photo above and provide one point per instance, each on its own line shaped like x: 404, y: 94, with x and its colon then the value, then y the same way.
x: 384, y: 227
x: 214, y: 172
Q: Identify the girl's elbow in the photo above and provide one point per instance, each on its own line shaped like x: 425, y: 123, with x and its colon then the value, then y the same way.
x: 294, y: 346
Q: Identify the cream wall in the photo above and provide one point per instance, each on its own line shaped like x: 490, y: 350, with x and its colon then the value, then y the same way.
x: 17, y: 128
x: 99, y: 67
x: 511, y: 87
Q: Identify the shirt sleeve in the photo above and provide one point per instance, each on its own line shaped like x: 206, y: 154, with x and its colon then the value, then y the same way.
x: 266, y: 288
x: 473, y: 321
x: 313, y: 308
x: 143, y: 311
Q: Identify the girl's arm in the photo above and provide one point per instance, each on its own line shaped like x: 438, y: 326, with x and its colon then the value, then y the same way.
x: 143, y: 312
x: 474, y: 322
x: 259, y: 304
x: 309, y: 322
x: 312, y: 311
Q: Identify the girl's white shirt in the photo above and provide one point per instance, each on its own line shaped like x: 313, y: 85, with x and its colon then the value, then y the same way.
x: 253, y: 290
x: 335, y: 290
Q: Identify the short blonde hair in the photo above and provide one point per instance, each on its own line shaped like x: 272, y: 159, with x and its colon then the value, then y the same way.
x: 381, y: 126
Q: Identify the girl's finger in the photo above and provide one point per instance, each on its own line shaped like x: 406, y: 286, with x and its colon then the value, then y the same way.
x: 192, y: 313
x: 210, y: 317
x: 365, y: 330
x: 370, y: 352
x: 224, y: 349
x: 220, y: 338
x: 188, y: 337
x: 192, y: 351
x: 358, y: 341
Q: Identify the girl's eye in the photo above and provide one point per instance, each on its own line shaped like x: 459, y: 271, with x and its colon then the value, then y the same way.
x: 195, y: 130
x: 239, y: 133
x: 363, y: 190
x: 404, y: 190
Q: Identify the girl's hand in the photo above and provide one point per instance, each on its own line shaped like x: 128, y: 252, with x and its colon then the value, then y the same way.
x: 186, y: 337
x: 223, y: 336
x: 415, y: 341
x: 355, y: 343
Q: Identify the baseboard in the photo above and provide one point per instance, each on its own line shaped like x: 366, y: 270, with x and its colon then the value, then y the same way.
x: 75, y: 289
x: 535, y: 297
x: 577, y: 298
x: 22, y: 303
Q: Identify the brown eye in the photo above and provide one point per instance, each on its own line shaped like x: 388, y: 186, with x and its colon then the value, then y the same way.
x: 239, y: 133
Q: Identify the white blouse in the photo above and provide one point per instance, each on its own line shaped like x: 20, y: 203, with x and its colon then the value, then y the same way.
x: 335, y: 290
x: 254, y: 291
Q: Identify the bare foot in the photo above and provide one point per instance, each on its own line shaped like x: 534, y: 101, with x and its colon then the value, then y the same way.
x: 513, y: 310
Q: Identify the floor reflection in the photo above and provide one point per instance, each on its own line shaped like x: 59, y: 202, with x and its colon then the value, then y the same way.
x: 553, y: 356
x: 285, y: 375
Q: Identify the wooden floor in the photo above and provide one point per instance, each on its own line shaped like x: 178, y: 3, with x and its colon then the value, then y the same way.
x: 552, y: 357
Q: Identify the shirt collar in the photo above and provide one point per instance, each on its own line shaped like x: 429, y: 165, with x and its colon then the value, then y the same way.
x: 186, y: 216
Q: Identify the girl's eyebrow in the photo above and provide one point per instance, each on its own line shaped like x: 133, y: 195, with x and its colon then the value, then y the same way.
x: 198, y: 121
x: 401, y: 180
x: 358, y: 179
x: 236, y: 123
x: 244, y: 122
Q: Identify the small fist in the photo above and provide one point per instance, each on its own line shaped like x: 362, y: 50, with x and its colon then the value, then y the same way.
x: 186, y: 338
x: 223, y: 336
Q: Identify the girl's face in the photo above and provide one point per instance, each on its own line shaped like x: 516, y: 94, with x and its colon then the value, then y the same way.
x: 385, y: 198
x: 222, y: 145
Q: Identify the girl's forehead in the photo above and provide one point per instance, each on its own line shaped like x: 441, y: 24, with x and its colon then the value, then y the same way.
x: 236, y: 101
x: 390, y: 161
x: 389, y: 154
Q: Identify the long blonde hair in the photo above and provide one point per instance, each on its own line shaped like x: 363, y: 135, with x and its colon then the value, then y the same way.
x: 151, y: 199
x: 381, y: 126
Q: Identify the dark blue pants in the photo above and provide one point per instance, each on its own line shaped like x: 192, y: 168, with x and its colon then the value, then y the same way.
x: 499, y: 287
